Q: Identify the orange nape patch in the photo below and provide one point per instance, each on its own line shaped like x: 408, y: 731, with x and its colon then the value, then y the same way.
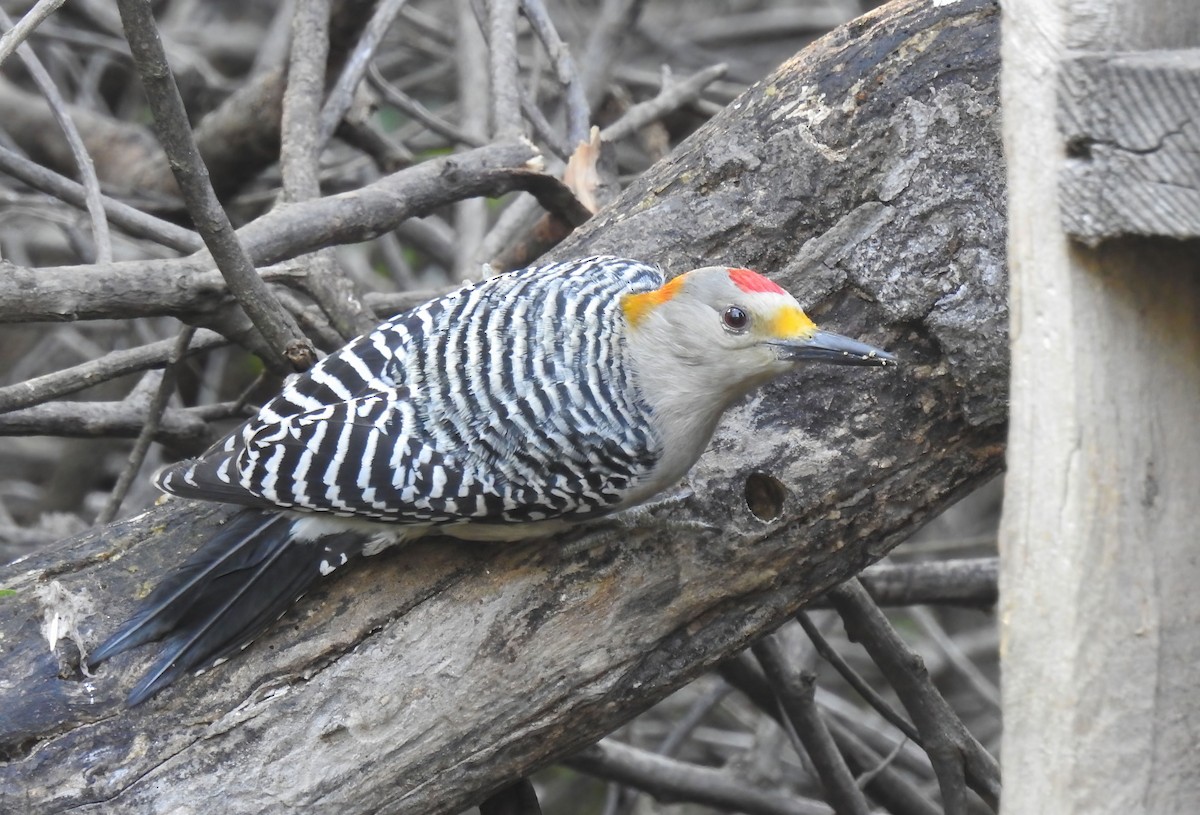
x: 789, y: 323
x: 751, y: 282
x: 638, y: 306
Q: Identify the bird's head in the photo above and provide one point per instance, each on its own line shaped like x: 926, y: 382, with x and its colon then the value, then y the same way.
x: 737, y: 325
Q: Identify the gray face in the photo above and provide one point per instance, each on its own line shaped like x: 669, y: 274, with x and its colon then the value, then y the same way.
x: 729, y: 330
x: 733, y: 329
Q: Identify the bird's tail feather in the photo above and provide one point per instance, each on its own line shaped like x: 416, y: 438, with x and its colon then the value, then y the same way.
x: 225, y: 595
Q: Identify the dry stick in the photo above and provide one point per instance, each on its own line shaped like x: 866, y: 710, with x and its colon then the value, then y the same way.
x: 854, y: 680
x: 970, y: 582
x: 770, y: 24
x: 542, y: 127
x: 342, y: 94
x: 624, y: 799
x: 364, y: 135
x: 300, y: 147
x: 110, y: 366
x: 578, y: 112
x: 20, y: 32
x: 878, y: 775
x: 313, y: 320
x: 885, y: 783
x: 617, y: 18
x: 83, y: 160
x: 240, y: 137
x: 184, y: 286
x: 157, y: 405
x: 670, y: 98
x: 365, y: 213
x: 175, y: 135
x: 470, y: 217
x: 134, y: 221
x: 502, y: 51
x: 669, y: 780
x: 797, y: 694
x: 880, y: 735
x: 958, y: 758
x: 300, y: 150
x: 958, y: 660
x: 182, y: 428
x: 406, y: 104
x: 506, y: 236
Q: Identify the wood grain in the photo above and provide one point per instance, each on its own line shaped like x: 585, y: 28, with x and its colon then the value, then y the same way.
x: 1131, y: 122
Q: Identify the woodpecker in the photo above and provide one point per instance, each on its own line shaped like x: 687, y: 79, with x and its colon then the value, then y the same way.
x: 507, y: 409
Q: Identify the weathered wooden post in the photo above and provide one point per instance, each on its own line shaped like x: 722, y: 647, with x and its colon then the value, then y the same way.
x: 1101, y: 537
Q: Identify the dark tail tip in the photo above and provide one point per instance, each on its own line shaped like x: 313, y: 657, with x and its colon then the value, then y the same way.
x: 225, y: 595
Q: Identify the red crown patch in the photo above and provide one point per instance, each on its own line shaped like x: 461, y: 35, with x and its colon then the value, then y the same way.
x: 751, y: 282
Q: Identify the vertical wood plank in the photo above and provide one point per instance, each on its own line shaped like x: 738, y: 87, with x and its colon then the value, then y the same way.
x: 1100, y: 575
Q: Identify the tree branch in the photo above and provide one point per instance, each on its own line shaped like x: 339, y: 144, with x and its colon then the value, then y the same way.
x: 957, y: 757
x: 671, y: 781
x: 83, y: 161
x: 110, y: 366
x: 133, y: 221
x: 175, y: 135
x: 184, y: 287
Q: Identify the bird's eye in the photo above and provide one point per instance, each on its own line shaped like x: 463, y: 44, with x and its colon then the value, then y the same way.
x: 735, y: 318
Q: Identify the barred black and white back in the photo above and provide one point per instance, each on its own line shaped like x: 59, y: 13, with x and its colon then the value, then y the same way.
x: 504, y: 407
x: 476, y: 407
x: 505, y: 410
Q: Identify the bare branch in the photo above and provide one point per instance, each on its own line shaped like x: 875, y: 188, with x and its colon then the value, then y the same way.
x: 158, y: 404
x: 768, y: 24
x: 956, y: 755
x: 877, y: 775
x: 83, y: 161
x: 20, y: 32
x: 970, y: 582
x: 883, y: 782
x: 470, y: 217
x: 670, y: 781
x: 984, y: 688
x: 406, y: 104
x: 856, y: 681
x: 175, y: 135
x: 179, y: 428
x: 118, y: 363
x: 616, y: 21
x: 797, y: 694
x: 506, y: 88
x: 672, y: 97
x: 578, y: 113
x: 133, y: 221
x: 342, y: 94
x: 378, y: 207
x: 301, y: 147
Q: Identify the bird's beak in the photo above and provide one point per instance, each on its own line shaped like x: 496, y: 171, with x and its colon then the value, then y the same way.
x: 825, y: 346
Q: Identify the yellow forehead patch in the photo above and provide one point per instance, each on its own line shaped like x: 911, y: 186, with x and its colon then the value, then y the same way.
x: 789, y: 322
x: 638, y: 306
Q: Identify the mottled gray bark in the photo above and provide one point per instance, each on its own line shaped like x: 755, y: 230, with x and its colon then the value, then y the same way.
x: 866, y: 176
